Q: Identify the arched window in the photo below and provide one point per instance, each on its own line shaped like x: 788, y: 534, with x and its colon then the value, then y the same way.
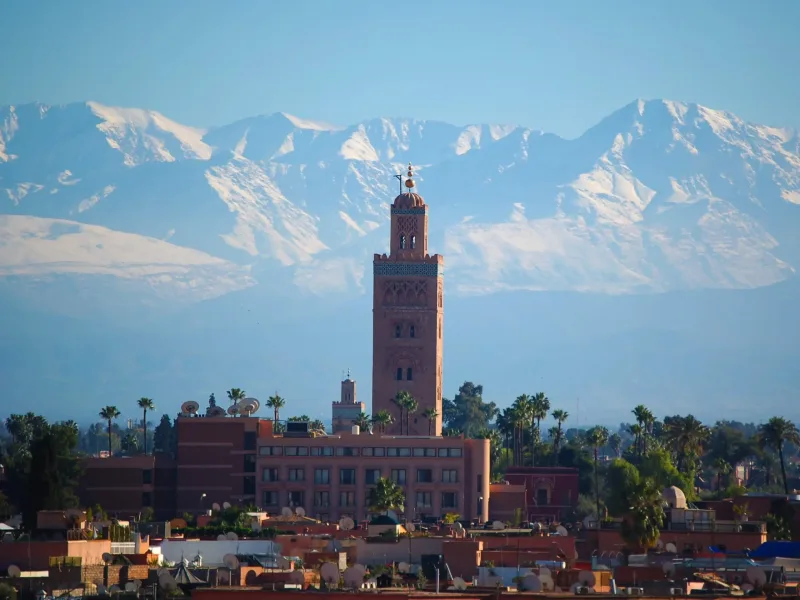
x: 409, y: 374
x: 399, y: 373
x: 411, y: 331
x: 413, y: 241
x: 402, y: 241
x: 398, y: 331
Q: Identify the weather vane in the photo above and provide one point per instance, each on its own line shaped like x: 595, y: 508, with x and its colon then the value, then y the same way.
x: 400, y: 179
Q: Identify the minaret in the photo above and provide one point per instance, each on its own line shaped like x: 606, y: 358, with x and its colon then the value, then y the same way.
x: 345, y: 412
x: 407, y: 315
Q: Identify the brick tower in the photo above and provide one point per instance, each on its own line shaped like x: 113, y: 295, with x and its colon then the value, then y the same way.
x: 407, y: 317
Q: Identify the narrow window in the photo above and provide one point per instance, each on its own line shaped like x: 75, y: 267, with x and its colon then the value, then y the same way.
x: 402, y: 241
x: 411, y: 331
x: 413, y: 241
x: 398, y: 331
x: 399, y: 373
x: 409, y: 374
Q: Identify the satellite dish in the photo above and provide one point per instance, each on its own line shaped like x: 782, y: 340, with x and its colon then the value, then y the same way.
x: 284, y: 563
x: 458, y: 527
x: 169, y: 583
x: 670, y: 547
x: 190, y: 408
x: 498, y: 525
x: 544, y: 572
x: 573, y: 589
x: 459, y: 584
x: 233, y: 410
x: 221, y: 537
x: 354, y: 578
x: 756, y: 576
x: 531, y: 583
x: 14, y: 571
x: 137, y: 583
x: 660, y: 545
x: 230, y: 561
x: 346, y: 524
x: 216, y: 411
x: 587, y: 578
x: 215, y: 506
x: 411, y: 527
x: 669, y: 568
x: 226, y: 505
x: 286, y: 512
x: 231, y: 535
x: 114, y: 589
x: 329, y: 573
x: 130, y: 587
x: 107, y: 557
x: 547, y: 583
x: 248, y: 406
x: 561, y: 530
x: 101, y: 589
x: 403, y: 567
x: 300, y: 511
x: 747, y: 587
x: 297, y: 577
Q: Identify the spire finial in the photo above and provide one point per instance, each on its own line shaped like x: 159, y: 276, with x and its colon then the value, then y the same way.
x: 348, y: 372
x: 410, y: 181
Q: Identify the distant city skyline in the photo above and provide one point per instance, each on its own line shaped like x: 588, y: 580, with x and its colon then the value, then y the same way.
x: 557, y: 66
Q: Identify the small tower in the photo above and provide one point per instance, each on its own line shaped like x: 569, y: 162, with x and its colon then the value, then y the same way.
x: 345, y: 412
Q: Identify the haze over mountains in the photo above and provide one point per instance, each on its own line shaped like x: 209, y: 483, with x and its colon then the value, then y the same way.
x: 650, y: 260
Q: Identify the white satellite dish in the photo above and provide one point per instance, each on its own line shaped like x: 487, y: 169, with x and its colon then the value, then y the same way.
x: 411, y: 527
x: 561, y: 530
x: 221, y: 537
x: 231, y: 535
x: 403, y: 567
x: 169, y: 583
x: 587, y: 578
x: 547, y: 583
x: 297, y: 577
x: 137, y: 583
x: 114, y: 589
x: 226, y: 505
x: 498, y: 525
x: 531, y: 583
x: 286, y: 512
x: 248, y: 406
x: 190, y: 408
x: 230, y: 561
x: 14, y: 571
x: 670, y: 547
x: 660, y: 544
x: 353, y: 578
x: 346, y: 524
x: 458, y: 527
x: 215, y: 506
x: 130, y: 587
x: 300, y: 511
x: 459, y: 584
x: 329, y: 573
x: 756, y: 576
x: 360, y: 568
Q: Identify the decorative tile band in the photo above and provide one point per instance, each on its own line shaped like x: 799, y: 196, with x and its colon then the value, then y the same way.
x: 408, y: 269
x: 408, y: 211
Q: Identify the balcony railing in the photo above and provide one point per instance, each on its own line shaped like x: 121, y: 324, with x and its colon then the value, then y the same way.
x: 706, y: 526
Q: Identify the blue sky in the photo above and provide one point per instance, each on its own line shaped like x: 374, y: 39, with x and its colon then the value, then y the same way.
x: 560, y: 66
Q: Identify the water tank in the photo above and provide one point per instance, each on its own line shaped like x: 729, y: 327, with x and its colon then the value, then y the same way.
x: 356, y: 430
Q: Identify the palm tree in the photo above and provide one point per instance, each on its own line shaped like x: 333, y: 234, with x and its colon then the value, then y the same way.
x: 642, y: 524
x: 235, y: 394
x: 382, y: 418
x: 386, y: 496
x: 430, y: 414
x: 403, y: 401
x: 685, y: 437
x: 721, y: 467
x: 541, y: 406
x: 411, y: 407
x: 645, y: 419
x: 597, y: 437
x: 774, y: 434
x: 615, y: 441
x: 560, y: 416
x: 362, y: 420
x: 145, y: 404
x: 524, y: 406
x: 109, y: 413
x: 276, y: 403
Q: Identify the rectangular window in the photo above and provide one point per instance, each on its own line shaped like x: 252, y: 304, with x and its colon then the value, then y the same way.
x: 296, y: 499
x: 249, y: 485
x: 322, y: 499
x: 399, y: 476
x: 449, y: 476
x: 249, y: 440
x: 542, y: 498
x: 398, y: 331
x: 270, y: 475
x: 424, y: 476
x: 399, y: 451
x: 147, y: 477
x: 269, y: 498
x: 343, y: 451
x: 347, y: 499
x: 347, y: 476
x: 147, y: 499
x: 379, y: 451
x: 480, y: 482
x: 399, y: 375
x: 418, y: 451
x: 424, y: 500
x: 249, y: 463
x: 297, y: 475
x: 366, y: 452
x: 412, y: 331
x: 324, y: 451
x: 409, y: 374
x: 449, y: 500
x: 270, y: 451
x: 430, y: 452
x: 322, y: 476
x: 371, y: 476
x: 450, y: 452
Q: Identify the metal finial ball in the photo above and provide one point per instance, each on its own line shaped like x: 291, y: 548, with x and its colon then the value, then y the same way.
x: 409, y: 183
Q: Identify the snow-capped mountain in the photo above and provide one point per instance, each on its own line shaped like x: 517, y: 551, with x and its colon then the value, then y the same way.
x: 658, y: 196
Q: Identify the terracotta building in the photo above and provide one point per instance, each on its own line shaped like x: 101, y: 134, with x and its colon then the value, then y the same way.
x: 551, y: 493
x: 407, y: 317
